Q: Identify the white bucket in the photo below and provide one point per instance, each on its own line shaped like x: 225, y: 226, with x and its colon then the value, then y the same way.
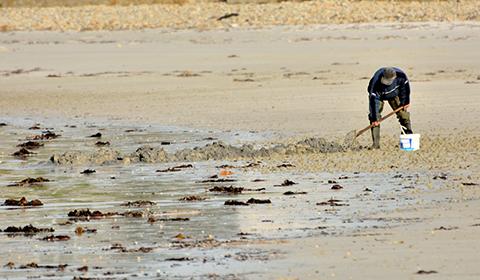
x: 409, y: 142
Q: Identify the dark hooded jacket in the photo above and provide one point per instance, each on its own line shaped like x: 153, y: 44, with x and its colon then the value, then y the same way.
x: 378, y: 92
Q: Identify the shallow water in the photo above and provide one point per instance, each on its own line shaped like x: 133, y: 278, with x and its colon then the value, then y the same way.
x: 212, y: 244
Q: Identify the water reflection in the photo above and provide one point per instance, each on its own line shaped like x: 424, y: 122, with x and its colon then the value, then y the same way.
x: 206, y: 243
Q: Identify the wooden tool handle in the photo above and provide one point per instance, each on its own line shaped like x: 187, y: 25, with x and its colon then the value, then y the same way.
x: 380, y: 120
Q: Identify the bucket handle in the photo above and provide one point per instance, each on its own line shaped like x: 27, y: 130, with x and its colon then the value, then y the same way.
x: 402, y: 129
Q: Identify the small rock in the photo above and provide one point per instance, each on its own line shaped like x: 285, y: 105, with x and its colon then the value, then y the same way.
x: 138, y: 203
x: 286, y: 183
x: 29, y: 181
x: 101, y: 144
x: 235, y: 203
x: 426, y: 272
x: 30, y: 145
x: 258, y: 201
x: 336, y: 187
x: 22, y: 153
x: 52, y: 238
x: 22, y: 202
x: 293, y: 193
x: 192, y: 198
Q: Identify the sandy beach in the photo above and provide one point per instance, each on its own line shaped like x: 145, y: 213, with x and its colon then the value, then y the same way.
x: 161, y: 92
x: 207, y: 15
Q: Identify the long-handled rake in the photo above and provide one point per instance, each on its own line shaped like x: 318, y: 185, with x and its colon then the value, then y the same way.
x: 350, y: 138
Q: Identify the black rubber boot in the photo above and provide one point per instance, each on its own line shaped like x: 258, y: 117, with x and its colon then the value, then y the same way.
x: 375, y: 137
x: 408, y: 127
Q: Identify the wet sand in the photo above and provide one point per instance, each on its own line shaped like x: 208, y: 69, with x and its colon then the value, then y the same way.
x: 309, y: 80
x: 253, y: 217
x: 396, y: 214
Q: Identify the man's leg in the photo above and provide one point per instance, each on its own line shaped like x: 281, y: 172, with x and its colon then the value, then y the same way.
x: 376, y: 130
x: 403, y: 116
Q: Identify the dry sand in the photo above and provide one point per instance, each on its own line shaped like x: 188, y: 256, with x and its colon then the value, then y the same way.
x: 295, y: 81
x: 291, y: 79
x: 208, y: 15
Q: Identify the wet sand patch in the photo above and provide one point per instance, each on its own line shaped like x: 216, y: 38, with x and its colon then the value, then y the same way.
x: 175, y: 201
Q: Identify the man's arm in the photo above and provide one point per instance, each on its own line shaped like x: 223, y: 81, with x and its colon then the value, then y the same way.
x: 404, y: 94
x: 373, y: 98
x: 374, y: 105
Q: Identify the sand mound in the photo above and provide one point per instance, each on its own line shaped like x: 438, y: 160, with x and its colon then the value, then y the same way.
x: 215, y: 151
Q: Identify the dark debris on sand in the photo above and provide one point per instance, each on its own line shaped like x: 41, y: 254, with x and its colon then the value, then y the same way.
x: 235, y: 203
x: 35, y: 127
x: 441, y: 177
x: 47, y: 135
x: 258, y: 201
x: 132, y: 214
x: 424, y: 272
x: 22, y: 153
x: 214, y: 180
x: 179, y: 259
x: 293, y: 193
x: 230, y: 189
x: 52, y: 238
x: 60, y: 267
x: 286, y: 183
x: 175, y: 168
x: 285, y: 165
x: 138, y: 203
x: 88, y: 171
x: 249, y: 165
x: 228, y: 15
x: 233, y: 190
x: 30, y: 145
x: 258, y: 180
x: 29, y: 182
x: 445, y: 228
x: 178, y: 219
x: 87, y: 214
x: 250, y: 201
x: 96, y: 135
x: 332, y: 202
x: 22, y: 202
x: 119, y: 247
x: 469, y: 184
x: 192, y: 198
x: 102, y: 144
x: 81, y: 230
x: 27, y: 230
x: 336, y: 187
